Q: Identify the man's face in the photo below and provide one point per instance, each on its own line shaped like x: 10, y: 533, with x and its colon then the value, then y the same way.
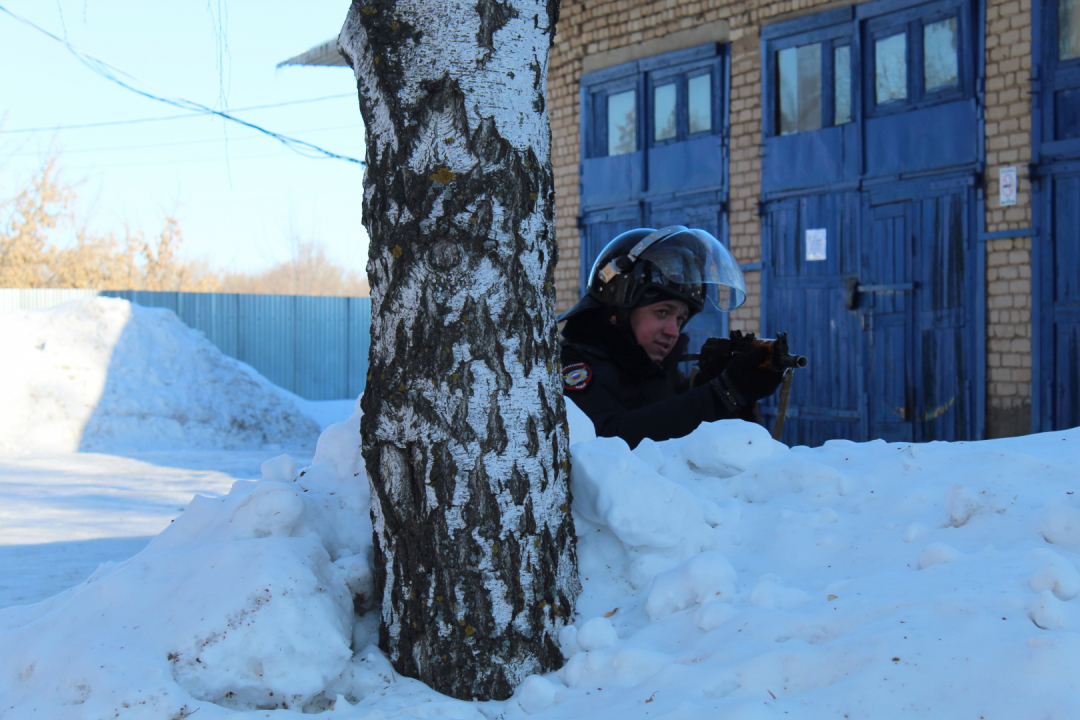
x: 656, y: 327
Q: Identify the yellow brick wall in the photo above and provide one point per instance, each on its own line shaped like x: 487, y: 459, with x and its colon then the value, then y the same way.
x: 1008, y: 261
x: 745, y: 168
x: 564, y: 69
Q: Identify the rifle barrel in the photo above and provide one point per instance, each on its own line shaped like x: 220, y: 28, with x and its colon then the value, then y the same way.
x: 792, y: 361
x: 795, y: 361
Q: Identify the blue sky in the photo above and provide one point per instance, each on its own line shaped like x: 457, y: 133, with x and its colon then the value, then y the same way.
x: 241, y: 197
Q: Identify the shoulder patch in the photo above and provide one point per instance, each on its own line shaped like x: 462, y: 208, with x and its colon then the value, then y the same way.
x: 576, y: 376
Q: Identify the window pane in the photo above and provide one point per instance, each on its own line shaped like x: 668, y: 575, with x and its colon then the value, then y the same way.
x: 799, y: 89
x: 1067, y: 114
x: 664, y: 112
x: 940, y: 64
x: 1068, y: 29
x: 622, y: 123
x: 890, y: 68
x: 842, y: 84
x: 788, y: 90
x: 809, y: 57
x: 699, y: 100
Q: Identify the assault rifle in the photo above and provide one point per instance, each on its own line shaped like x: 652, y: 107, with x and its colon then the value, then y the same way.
x: 717, y: 352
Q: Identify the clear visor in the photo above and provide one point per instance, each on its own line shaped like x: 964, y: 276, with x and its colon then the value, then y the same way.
x: 695, y: 261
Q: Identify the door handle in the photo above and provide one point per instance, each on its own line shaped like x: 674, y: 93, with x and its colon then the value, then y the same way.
x: 852, y: 289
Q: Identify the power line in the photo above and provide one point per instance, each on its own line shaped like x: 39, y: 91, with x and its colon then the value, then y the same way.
x: 102, y: 68
x: 186, y: 116
x: 65, y: 152
x: 161, y: 163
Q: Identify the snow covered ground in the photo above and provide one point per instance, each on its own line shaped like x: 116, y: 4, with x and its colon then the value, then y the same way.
x: 63, y: 514
x: 725, y: 575
x: 105, y: 374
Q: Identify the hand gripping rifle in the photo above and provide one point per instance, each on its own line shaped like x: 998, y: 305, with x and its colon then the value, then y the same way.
x: 717, y: 352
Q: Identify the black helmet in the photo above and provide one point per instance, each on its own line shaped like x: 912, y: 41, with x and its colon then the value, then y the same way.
x: 688, y: 264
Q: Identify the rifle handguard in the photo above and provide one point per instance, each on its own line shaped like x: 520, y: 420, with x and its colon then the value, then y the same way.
x: 716, y: 352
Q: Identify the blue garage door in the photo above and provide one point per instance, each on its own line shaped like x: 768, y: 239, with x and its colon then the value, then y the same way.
x: 805, y: 298
x: 1056, y: 250
x: 869, y: 187
x: 1057, y: 386
x: 911, y: 296
x: 1066, y: 300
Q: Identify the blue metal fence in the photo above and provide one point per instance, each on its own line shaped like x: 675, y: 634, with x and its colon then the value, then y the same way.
x: 316, y: 347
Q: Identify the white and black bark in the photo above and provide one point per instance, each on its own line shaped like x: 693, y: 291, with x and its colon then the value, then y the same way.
x: 463, y: 431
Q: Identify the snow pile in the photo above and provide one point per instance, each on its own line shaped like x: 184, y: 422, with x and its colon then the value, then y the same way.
x: 852, y: 580
x: 102, y: 374
x: 725, y: 575
x: 244, y: 601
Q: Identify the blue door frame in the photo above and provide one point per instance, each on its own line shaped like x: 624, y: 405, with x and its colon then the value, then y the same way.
x: 1055, y: 180
x: 891, y: 308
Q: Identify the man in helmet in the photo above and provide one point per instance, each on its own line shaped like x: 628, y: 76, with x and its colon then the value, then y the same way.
x: 623, y: 338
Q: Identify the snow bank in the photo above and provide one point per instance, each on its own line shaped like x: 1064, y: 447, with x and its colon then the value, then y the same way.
x: 724, y: 575
x: 104, y: 375
x: 749, y: 580
x: 244, y: 601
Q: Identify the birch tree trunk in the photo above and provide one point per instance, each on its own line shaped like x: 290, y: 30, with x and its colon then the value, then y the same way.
x: 463, y: 430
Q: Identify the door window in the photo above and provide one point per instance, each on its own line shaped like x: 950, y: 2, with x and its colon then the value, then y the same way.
x: 1060, y: 71
x: 799, y: 83
x: 842, y: 84
x: 941, y: 66
x: 809, y: 81
x: 699, y: 103
x: 890, y: 68
x: 917, y: 59
x: 664, y: 112
x: 682, y: 103
x: 804, y: 76
x: 1068, y: 29
x: 622, y: 123
x: 910, y: 58
x: 650, y: 102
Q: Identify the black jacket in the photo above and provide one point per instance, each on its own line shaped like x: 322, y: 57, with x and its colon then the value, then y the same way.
x: 627, y: 395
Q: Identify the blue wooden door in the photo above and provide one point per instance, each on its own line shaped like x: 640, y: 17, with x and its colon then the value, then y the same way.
x: 882, y: 309
x: 913, y: 295
x: 871, y: 127
x: 806, y: 299
x: 944, y: 401
x: 886, y: 314
x: 1063, y: 307
x: 1056, y: 247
